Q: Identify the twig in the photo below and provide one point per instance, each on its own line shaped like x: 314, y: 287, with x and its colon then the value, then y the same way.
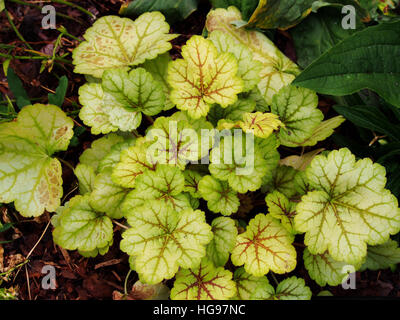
x: 28, y: 283
x: 120, y: 225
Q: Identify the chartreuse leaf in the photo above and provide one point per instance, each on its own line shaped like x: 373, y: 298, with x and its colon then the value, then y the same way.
x: 29, y: 175
x: 282, y: 208
x: 99, y: 149
x: 277, y: 71
x: 161, y: 240
x: 246, y: 284
x: 283, y: 181
x: 220, y: 197
x: 204, y: 282
x: 225, y: 232
x: 325, y: 270
x: 133, y: 162
x: 260, y: 124
x: 297, y: 109
x: 80, y: 227
x: 192, y: 179
x: 266, y: 245
x: 114, y: 42
x: 352, y: 65
x: 114, y: 156
x: 268, y: 148
x: 248, y: 68
x: 166, y: 184
x: 324, y: 130
x: 289, y: 289
x: 173, y: 141
x: 86, y: 177
x: 272, y: 14
x: 107, y: 196
x: 203, y: 77
x: 239, y: 161
x: 382, y: 256
x: 349, y: 207
x: 92, y: 113
x: 158, y: 68
x: 127, y: 95
x: 234, y: 112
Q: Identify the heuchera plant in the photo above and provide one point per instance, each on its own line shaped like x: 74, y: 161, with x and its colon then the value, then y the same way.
x: 236, y: 106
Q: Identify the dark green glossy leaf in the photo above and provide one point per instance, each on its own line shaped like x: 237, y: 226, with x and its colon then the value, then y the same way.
x: 367, y: 59
x: 173, y: 10
x: 318, y: 33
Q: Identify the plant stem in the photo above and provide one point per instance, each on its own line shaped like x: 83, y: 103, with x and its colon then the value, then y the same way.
x: 67, y: 164
x: 74, y: 6
x: 126, y: 282
x: 16, y: 30
x: 274, y: 278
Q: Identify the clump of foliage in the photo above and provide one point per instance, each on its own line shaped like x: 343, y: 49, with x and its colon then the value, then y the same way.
x: 171, y: 183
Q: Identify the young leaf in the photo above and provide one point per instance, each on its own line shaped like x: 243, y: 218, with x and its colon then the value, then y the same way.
x: 133, y: 162
x: 158, y: 68
x: 324, y: 130
x: 246, y: 166
x: 114, y: 42
x: 234, y: 112
x: 204, y: 282
x: 29, y: 175
x: 114, y: 156
x: 173, y: 142
x: 353, y: 65
x: 86, y: 176
x: 107, y: 196
x: 323, y: 269
x: 260, y: 124
x: 297, y: 109
x: 80, y: 227
x: 246, y: 284
x: 161, y: 240
x: 203, y: 77
x: 272, y: 14
x: 99, y: 149
x: 92, y: 114
x: 277, y: 71
x: 220, y: 197
x: 289, y: 289
x: 382, y: 256
x: 18, y: 90
x: 126, y: 95
x: 225, y: 232
x: 248, y: 68
x: 265, y: 246
x: 349, y: 207
x: 280, y: 207
x: 58, y: 97
x: 166, y: 184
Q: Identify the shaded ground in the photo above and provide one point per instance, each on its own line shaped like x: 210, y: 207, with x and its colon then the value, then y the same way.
x: 98, y: 278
